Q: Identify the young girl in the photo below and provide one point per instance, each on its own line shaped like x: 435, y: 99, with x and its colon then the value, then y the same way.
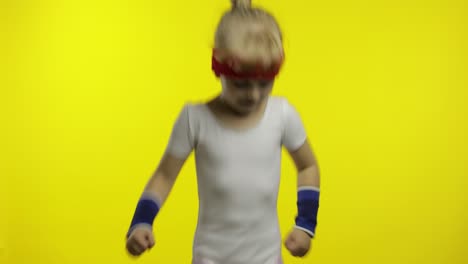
x: 237, y: 138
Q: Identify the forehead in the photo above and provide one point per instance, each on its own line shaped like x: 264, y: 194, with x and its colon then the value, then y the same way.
x: 247, y: 62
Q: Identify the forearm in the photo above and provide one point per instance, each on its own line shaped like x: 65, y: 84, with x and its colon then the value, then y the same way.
x: 156, y: 191
x: 159, y: 186
x: 161, y: 182
x: 309, y: 176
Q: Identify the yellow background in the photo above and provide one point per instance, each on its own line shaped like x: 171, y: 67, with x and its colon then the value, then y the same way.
x: 90, y: 89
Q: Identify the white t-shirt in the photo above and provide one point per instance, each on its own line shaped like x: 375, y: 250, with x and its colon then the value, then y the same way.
x: 238, y: 174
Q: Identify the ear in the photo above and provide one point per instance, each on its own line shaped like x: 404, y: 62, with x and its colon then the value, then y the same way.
x: 223, y: 80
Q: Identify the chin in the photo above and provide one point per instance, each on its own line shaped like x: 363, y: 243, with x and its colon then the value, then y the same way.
x: 246, y: 109
x: 242, y: 110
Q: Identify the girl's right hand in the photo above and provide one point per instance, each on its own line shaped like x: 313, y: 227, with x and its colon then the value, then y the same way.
x: 140, y: 240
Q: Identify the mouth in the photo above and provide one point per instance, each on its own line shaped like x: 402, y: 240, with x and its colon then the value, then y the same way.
x: 247, y: 104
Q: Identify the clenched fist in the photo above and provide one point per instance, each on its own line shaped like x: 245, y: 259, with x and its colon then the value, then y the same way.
x: 298, y: 243
x: 140, y: 240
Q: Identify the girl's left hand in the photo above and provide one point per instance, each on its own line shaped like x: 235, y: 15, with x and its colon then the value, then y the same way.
x: 298, y: 243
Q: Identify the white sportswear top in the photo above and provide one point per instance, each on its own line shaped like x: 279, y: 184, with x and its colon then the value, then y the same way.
x: 238, y: 174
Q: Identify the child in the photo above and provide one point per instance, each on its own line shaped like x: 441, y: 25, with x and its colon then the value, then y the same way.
x: 237, y: 139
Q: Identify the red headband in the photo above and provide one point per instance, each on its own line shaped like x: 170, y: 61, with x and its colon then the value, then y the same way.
x: 228, y: 70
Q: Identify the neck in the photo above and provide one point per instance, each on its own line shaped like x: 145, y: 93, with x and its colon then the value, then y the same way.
x: 225, y: 107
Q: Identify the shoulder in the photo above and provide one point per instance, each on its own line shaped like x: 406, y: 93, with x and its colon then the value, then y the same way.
x: 193, y: 108
x: 196, y: 113
x: 281, y: 104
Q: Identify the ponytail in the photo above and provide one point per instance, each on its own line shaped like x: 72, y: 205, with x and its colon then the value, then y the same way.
x: 241, y: 4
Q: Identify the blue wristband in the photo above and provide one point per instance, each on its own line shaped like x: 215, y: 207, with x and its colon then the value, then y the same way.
x: 307, y: 205
x: 145, y: 212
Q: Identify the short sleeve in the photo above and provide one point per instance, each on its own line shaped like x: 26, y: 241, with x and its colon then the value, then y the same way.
x: 294, y: 133
x: 181, y: 141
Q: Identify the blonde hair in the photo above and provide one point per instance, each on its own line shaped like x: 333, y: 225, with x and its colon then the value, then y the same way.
x: 249, y: 33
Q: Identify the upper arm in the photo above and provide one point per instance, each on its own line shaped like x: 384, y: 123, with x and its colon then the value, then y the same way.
x: 182, y: 138
x: 293, y: 131
x: 294, y: 137
x: 180, y: 144
x: 303, y: 157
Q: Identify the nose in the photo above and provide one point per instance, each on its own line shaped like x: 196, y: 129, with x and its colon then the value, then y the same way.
x: 254, y: 94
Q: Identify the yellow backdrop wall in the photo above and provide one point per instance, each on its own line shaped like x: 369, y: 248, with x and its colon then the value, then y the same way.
x: 91, y: 89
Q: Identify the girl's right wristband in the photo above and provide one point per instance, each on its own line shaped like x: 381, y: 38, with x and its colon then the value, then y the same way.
x: 147, y: 208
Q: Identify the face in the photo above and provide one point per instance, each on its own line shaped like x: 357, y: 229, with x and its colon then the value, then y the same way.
x: 245, y: 95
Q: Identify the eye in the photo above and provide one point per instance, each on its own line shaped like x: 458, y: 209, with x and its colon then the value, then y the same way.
x: 242, y: 84
x: 265, y: 83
